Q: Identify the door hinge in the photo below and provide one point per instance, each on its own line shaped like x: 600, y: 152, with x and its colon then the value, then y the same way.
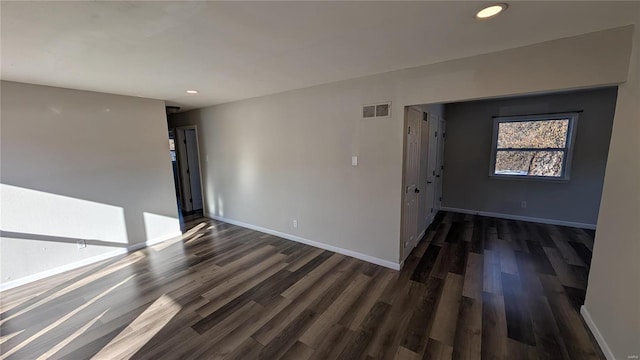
x: 431, y: 209
x: 436, y: 134
x: 441, y: 167
x: 409, y: 130
x: 424, y: 116
x: 187, y: 171
x: 190, y: 199
x: 440, y: 198
x: 434, y: 172
x: 443, y: 135
x: 184, y: 141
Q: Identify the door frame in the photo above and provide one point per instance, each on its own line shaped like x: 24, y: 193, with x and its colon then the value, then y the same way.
x: 202, y: 193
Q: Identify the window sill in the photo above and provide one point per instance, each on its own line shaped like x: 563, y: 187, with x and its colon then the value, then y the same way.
x: 529, y: 178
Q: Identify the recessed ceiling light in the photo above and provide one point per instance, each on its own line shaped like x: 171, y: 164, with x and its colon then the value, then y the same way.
x: 491, y: 11
x: 192, y: 91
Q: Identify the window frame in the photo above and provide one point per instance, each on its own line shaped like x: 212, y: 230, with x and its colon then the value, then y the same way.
x: 568, y: 149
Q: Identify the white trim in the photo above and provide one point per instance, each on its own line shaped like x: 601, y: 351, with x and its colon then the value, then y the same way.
x: 522, y: 218
x: 88, y: 261
x: 596, y: 333
x: 351, y: 253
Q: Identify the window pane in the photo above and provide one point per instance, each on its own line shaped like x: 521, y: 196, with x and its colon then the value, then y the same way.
x: 533, y: 134
x: 529, y: 163
x: 547, y: 163
x: 513, y: 162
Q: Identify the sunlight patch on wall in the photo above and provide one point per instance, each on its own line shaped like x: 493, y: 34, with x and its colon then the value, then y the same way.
x: 159, y: 226
x: 35, y: 212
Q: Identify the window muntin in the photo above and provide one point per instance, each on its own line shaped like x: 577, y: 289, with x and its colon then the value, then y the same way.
x: 533, y: 147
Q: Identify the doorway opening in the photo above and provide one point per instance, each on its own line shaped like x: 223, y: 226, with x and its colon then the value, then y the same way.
x: 183, y: 145
x: 424, y: 129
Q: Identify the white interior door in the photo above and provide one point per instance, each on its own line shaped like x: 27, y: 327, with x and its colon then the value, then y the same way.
x: 411, y: 180
x: 431, y: 163
x: 439, y: 164
x: 183, y: 169
x: 424, y: 202
x: 193, y: 169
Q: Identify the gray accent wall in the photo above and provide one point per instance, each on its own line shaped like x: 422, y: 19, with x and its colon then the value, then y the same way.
x: 468, y: 152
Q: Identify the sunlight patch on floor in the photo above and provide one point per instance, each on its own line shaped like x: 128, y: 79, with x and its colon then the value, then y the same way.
x: 70, y: 338
x: 132, y: 258
x: 141, y: 330
x: 63, y: 319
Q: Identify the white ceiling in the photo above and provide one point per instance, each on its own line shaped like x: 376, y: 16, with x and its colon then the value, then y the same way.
x: 237, y: 50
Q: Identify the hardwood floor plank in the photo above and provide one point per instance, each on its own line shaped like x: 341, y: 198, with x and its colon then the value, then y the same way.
x: 473, y: 279
x: 287, y: 337
x: 444, y: 324
x: 422, y: 319
x: 358, y: 343
x: 321, y: 326
x: 332, y: 344
x: 468, y: 338
x: 567, y: 275
x: 479, y: 235
x: 540, y: 259
x: 519, y: 325
x: 576, y: 336
x: 249, y: 349
x: 549, y: 343
x: 582, y: 251
x: 492, y: 274
x: 406, y: 354
x: 424, y: 267
x: 299, y: 351
x: 437, y: 351
x: 494, y: 327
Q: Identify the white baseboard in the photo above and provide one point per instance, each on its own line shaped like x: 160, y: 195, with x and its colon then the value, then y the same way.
x: 596, y: 333
x: 162, y: 238
x: 522, y: 218
x: 88, y: 261
x: 351, y: 253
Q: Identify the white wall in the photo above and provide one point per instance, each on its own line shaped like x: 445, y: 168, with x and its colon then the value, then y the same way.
x: 79, y: 165
x: 613, y: 294
x: 273, y: 159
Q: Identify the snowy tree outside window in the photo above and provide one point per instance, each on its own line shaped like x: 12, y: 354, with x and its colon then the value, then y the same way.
x: 533, y: 147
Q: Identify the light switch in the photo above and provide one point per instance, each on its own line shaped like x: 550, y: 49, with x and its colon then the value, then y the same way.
x: 354, y: 161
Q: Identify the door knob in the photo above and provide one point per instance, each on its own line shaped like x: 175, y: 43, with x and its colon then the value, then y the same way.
x: 417, y: 190
x: 429, y: 182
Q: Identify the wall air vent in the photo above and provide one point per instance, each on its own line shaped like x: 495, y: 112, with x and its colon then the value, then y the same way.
x: 381, y: 110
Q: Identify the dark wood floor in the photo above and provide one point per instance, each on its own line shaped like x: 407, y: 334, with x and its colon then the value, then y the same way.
x: 475, y: 287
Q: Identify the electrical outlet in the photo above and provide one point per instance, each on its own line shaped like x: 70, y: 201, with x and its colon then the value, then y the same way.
x: 81, y: 244
x: 523, y: 204
x: 295, y: 224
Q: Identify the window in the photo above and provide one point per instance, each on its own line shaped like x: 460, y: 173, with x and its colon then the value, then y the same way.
x: 533, y: 147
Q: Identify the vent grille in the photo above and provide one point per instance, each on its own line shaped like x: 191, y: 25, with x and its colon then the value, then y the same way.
x: 381, y: 110
x: 369, y: 111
